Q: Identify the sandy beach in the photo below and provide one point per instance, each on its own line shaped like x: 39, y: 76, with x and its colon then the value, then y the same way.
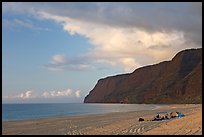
x: 124, y: 123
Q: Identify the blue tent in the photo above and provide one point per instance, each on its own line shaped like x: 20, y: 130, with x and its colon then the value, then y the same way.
x: 180, y: 115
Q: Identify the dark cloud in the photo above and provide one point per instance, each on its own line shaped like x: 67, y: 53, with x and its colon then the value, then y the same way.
x: 151, y: 17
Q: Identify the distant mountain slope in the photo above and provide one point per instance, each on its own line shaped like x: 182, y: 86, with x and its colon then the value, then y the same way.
x: 175, y: 81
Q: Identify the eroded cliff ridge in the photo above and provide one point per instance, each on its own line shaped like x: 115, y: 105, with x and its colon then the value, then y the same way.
x: 176, y: 81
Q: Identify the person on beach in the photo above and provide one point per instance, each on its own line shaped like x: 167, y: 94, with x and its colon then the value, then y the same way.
x: 166, y: 116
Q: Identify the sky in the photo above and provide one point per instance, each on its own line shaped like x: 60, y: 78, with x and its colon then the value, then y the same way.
x: 56, y: 52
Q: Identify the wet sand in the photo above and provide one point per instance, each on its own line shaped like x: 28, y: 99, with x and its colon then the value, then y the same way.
x: 112, y: 123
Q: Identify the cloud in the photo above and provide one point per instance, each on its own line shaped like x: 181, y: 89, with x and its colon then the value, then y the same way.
x: 46, y: 94
x: 77, y: 93
x: 60, y: 62
x: 125, y: 35
x: 63, y: 93
x: 58, y: 59
x: 26, y: 95
x: 120, y: 45
x: 148, y: 16
x: 22, y: 23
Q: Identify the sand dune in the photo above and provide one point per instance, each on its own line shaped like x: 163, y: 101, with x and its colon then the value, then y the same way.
x: 112, y: 124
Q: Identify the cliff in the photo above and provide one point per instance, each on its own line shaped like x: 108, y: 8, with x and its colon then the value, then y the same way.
x: 176, y: 81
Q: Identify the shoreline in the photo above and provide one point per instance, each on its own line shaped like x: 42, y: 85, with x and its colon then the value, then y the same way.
x: 111, y: 123
x: 156, y: 106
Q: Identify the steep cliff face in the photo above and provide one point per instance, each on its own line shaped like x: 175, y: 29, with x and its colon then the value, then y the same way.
x: 175, y: 81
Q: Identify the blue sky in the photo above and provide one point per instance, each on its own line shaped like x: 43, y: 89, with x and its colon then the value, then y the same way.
x: 56, y: 52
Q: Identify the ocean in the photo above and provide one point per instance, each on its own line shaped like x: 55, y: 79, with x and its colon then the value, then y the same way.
x: 31, y: 111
